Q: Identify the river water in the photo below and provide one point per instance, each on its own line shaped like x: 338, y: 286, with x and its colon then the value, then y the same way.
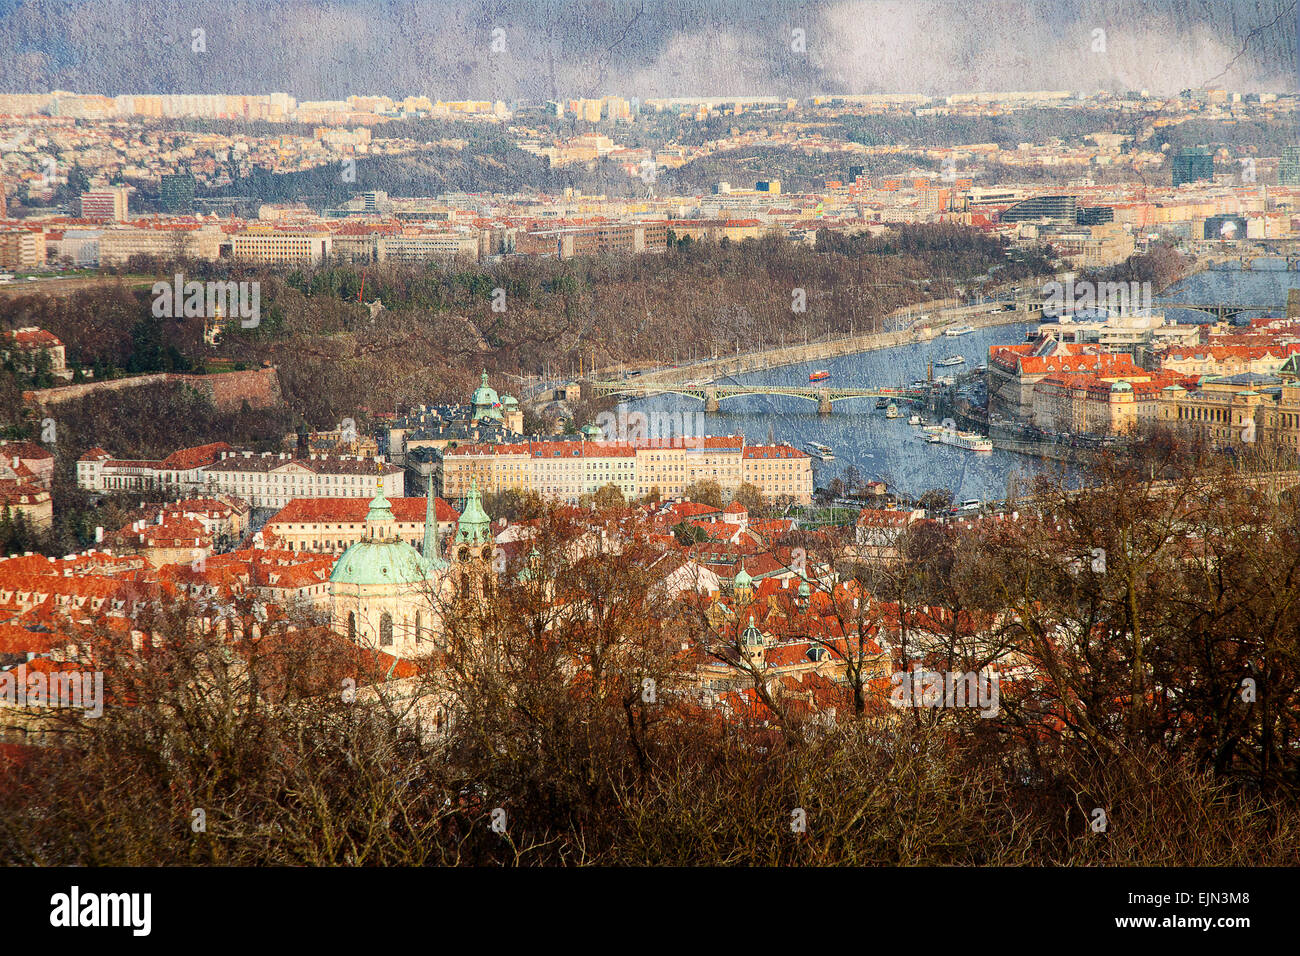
x: 895, y: 452
x: 881, y: 449
x: 1266, y: 284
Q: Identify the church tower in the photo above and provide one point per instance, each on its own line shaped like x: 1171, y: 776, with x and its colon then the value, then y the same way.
x: 473, y: 548
x: 432, y: 545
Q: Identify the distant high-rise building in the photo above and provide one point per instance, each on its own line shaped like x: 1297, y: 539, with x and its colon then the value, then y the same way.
x: 104, y: 204
x: 856, y: 173
x: 1288, y: 170
x: 617, y: 108
x: 176, y: 192
x: 1058, y: 208
x: 1094, y: 215
x: 1193, y: 165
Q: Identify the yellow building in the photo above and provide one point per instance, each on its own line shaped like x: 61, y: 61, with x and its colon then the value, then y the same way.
x: 259, y: 244
x: 1236, y: 410
x: 564, y: 470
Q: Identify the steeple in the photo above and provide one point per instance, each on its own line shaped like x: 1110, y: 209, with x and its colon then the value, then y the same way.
x: 381, y: 525
x: 743, y: 584
x: 431, y: 543
x: 474, y: 526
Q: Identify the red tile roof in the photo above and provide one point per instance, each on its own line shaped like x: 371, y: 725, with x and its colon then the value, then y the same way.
x: 344, y: 510
x: 187, y: 459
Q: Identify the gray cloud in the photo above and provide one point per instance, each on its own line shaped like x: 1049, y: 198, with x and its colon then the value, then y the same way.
x: 315, y: 48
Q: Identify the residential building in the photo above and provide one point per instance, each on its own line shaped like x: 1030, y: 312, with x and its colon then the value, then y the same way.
x: 266, y: 246
x: 27, y: 461
x: 168, y: 241
x: 334, y: 524
x: 273, y: 480
x: 566, y: 469
x: 181, y: 472
x: 105, y: 204
x: 25, y: 346
x: 21, y: 249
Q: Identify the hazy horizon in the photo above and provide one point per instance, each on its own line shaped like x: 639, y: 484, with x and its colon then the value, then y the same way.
x: 315, y: 49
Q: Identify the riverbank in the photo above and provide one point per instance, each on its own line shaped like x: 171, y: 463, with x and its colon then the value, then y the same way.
x: 977, y: 316
x: 1046, y: 450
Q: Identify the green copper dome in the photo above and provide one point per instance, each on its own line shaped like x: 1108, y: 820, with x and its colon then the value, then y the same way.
x: 742, y: 579
x: 752, y: 636
x: 379, y: 562
x: 474, y: 526
x: 381, y: 557
x: 380, y: 509
x: 484, y: 396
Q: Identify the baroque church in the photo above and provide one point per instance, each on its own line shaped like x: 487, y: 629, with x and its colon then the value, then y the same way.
x: 387, y: 595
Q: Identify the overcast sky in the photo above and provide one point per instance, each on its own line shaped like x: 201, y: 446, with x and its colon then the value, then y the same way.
x: 443, y: 48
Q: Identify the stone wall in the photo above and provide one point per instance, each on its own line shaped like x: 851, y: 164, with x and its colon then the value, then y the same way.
x: 226, y: 390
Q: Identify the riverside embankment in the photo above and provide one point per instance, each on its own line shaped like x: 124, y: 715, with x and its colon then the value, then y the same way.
x: 928, y: 320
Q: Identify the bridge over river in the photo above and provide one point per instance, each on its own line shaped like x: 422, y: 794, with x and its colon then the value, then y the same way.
x: 711, y: 394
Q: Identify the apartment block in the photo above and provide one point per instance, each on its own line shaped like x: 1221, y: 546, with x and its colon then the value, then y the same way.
x: 281, y: 246
x: 564, y: 470
x: 105, y: 204
x: 21, y: 249
x: 168, y: 242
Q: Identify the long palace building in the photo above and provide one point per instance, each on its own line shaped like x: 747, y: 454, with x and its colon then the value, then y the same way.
x: 563, y: 470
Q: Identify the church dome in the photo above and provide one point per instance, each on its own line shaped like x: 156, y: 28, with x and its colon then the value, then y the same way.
x: 485, y: 396
x: 370, y: 561
x: 380, y: 557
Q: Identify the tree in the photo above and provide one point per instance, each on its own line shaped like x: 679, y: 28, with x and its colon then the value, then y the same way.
x: 753, y: 500
x: 688, y: 534
x: 608, y: 497
x: 935, y: 499
x: 707, y: 492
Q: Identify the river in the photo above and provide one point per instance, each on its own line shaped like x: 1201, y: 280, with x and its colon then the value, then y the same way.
x: 1266, y: 284
x: 881, y: 449
x: 895, y: 452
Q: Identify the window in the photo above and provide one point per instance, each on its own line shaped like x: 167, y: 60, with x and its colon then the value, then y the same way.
x: 385, y: 630
x: 352, y: 626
